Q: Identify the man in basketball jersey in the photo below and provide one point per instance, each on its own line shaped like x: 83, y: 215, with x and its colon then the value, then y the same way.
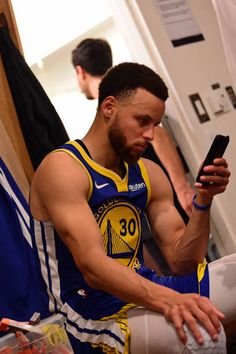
x: 91, y: 59
x: 89, y: 197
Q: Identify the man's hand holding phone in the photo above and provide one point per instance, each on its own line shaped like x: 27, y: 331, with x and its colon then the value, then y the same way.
x: 213, y: 175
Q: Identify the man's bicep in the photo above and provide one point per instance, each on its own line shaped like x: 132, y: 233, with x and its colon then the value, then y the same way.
x: 165, y: 222
x: 167, y: 229
x: 62, y: 187
x: 58, y: 183
x: 79, y: 230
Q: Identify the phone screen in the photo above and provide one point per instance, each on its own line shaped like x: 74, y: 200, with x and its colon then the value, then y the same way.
x: 217, y: 149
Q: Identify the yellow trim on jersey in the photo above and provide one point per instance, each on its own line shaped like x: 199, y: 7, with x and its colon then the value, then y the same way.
x: 121, y: 183
x: 80, y: 162
x: 122, y: 321
x: 200, y: 273
x: 146, y: 179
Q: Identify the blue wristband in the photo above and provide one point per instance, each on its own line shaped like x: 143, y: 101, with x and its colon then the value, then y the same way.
x: 200, y: 207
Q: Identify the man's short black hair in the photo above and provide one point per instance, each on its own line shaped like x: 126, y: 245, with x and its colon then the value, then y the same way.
x: 124, y: 79
x: 94, y: 55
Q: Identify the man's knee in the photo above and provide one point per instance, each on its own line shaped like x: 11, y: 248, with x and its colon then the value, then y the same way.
x: 209, y: 346
x: 223, y: 286
x: 151, y: 334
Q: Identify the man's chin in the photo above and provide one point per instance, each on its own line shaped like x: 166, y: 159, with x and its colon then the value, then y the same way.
x: 89, y: 97
x: 132, y: 160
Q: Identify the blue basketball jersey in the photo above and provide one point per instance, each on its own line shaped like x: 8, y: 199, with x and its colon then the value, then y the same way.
x: 117, y: 204
x: 97, y: 321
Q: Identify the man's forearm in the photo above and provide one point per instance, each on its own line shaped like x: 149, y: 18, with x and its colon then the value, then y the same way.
x: 114, y: 278
x: 104, y: 273
x: 165, y: 148
x: 192, y: 246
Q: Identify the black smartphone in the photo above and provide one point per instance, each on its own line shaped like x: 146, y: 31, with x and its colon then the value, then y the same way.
x: 217, y: 149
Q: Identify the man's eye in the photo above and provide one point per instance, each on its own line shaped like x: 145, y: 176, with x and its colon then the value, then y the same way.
x: 142, y: 121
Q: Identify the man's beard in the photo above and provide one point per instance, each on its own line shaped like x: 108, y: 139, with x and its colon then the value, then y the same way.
x: 118, y: 141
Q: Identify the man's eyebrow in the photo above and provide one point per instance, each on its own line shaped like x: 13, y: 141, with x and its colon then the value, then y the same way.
x: 148, y: 118
x: 144, y: 116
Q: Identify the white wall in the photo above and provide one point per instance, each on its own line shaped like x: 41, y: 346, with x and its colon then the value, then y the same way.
x: 188, y: 69
x: 58, y: 77
x: 46, y: 25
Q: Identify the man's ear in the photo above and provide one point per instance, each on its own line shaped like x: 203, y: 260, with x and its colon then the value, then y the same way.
x: 108, y: 106
x: 80, y: 72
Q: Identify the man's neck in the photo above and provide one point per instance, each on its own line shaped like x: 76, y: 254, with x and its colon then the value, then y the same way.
x: 93, y: 86
x: 109, y: 161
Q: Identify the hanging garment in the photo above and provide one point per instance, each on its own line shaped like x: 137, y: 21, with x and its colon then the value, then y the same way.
x: 8, y: 154
x: 41, y: 126
x: 22, y: 290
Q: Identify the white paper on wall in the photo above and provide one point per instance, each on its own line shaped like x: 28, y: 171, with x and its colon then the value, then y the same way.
x: 179, y: 22
x: 226, y: 15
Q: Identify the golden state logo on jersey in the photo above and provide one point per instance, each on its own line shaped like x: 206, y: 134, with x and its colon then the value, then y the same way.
x: 120, y: 226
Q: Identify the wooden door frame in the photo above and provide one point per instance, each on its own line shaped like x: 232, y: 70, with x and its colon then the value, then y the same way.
x: 8, y: 115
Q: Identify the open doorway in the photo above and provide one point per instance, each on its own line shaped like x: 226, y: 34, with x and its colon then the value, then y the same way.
x: 52, y: 64
x: 58, y: 77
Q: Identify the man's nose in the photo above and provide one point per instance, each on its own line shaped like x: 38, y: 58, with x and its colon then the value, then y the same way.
x: 149, y: 134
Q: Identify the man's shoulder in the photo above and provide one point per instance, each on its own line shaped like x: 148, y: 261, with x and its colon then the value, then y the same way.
x: 59, y: 174
x: 155, y: 172
x: 56, y: 165
x: 149, y: 164
x: 56, y: 158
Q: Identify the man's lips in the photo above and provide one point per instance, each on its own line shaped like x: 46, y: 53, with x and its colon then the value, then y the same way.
x: 140, y: 147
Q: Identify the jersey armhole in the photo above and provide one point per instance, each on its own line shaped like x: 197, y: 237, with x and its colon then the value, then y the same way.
x: 146, y: 179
